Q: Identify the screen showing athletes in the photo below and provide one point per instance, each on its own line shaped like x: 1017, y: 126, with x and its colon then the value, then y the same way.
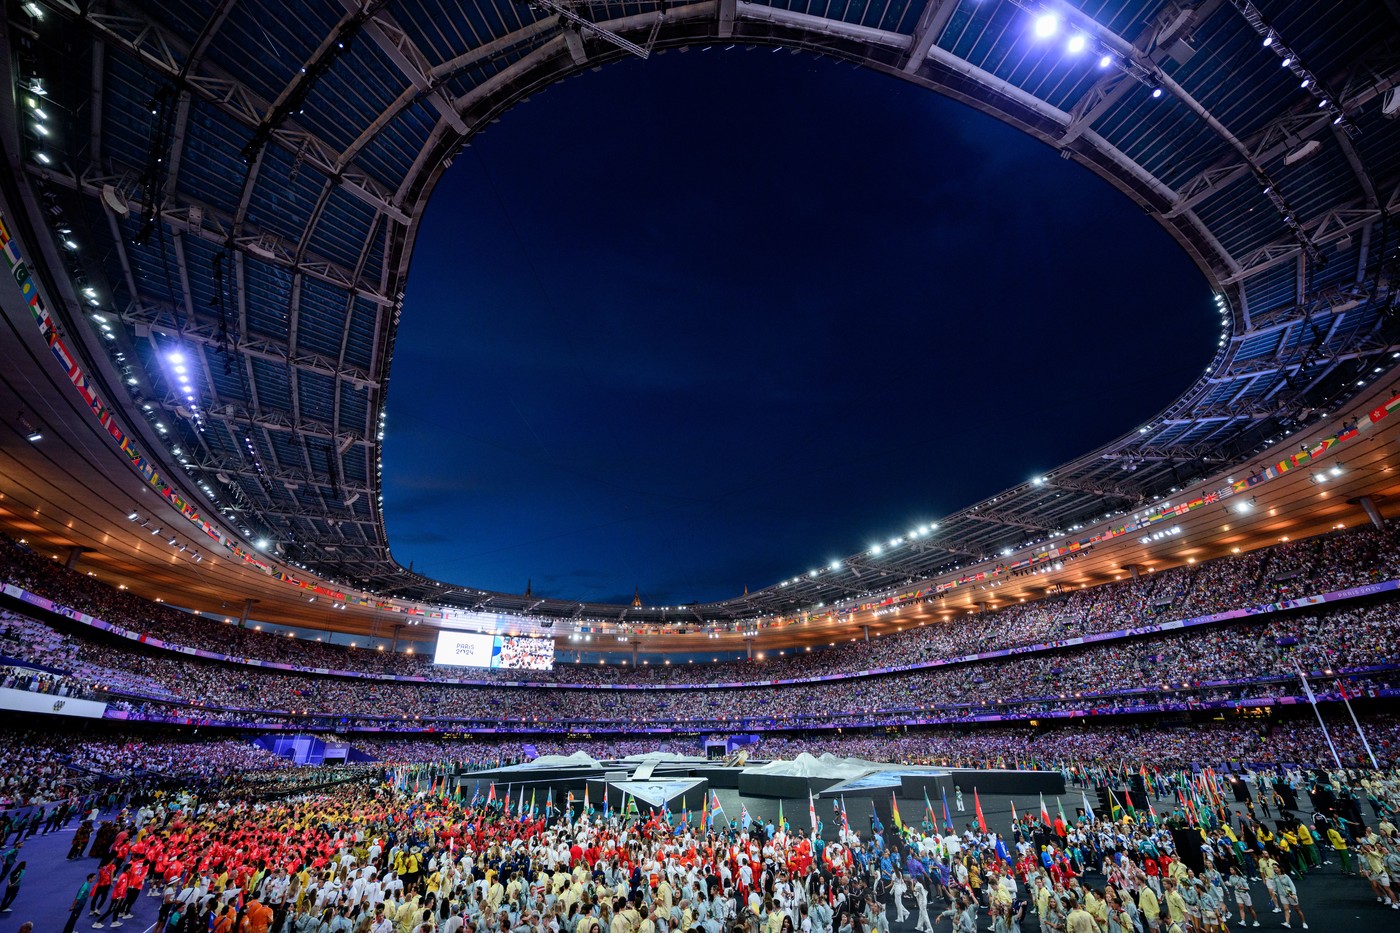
x: 499, y: 652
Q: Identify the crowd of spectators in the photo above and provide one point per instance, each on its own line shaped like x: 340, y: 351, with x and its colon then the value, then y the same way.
x: 1246, y: 659
x: 1328, y: 562
x: 1099, y: 746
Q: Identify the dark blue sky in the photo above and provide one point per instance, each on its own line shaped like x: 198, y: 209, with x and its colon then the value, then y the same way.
x: 717, y: 318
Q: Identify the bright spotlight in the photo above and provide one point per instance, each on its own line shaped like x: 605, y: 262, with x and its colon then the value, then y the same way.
x: 1077, y: 44
x: 1046, y: 25
x: 1106, y: 61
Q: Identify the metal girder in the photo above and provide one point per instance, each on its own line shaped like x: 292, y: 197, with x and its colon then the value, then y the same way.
x: 1096, y: 487
x: 290, y: 478
x: 929, y: 29
x: 274, y: 512
x: 209, y: 224
x: 725, y: 12
x: 275, y: 421
x: 1372, y: 77
x: 1001, y: 518
x: 1103, y: 95
x: 394, y: 41
x: 1331, y: 301
x: 1270, y: 366
x: 160, y: 49
x: 1148, y: 453
x: 1331, y: 225
x: 204, y: 330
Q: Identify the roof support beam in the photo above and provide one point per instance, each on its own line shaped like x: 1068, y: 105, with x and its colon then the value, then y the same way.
x: 161, y: 50
x: 394, y: 42
x: 207, y: 224
x: 929, y: 29
x: 276, y: 421
x: 203, y: 329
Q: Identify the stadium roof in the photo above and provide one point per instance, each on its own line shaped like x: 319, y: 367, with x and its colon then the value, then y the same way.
x: 233, y: 188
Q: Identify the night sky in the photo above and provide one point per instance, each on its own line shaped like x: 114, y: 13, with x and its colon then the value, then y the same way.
x: 718, y: 318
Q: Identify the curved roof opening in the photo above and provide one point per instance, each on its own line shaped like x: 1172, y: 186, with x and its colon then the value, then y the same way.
x: 704, y: 321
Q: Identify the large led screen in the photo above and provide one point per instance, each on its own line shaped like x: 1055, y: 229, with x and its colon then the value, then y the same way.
x: 502, y: 652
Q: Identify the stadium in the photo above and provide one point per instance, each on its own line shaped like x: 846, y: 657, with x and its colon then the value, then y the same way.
x: 1150, y: 689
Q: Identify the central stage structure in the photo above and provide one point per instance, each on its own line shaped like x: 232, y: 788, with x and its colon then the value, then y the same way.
x: 680, y: 782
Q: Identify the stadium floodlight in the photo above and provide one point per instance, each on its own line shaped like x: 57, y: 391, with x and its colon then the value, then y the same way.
x: 1046, y: 25
x: 175, y: 357
x: 262, y: 544
x: 1077, y: 43
x: 835, y: 565
x: 1105, y: 61
x: 1156, y: 93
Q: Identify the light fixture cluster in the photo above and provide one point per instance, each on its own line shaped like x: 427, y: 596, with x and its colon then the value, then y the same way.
x: 158, y: 531
x: 1171, y: 532
x: 1288, y: 58
x: 181, y: 366
x: 1047, y: 25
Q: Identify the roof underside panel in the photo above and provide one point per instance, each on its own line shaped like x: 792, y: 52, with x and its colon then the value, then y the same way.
x: 291, y: 361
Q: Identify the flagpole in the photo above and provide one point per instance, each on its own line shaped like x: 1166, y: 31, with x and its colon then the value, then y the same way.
x: 1312, y: 700
x: 1341, y: 688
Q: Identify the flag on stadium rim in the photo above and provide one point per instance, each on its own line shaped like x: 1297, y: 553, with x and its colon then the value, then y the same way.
x: 977, y: 804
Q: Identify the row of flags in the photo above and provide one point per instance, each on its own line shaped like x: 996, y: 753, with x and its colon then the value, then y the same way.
x: 1199, y: 798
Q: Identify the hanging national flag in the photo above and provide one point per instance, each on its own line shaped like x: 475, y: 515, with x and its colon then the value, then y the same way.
x: 1044, y: 813
x: 894, y: 813
x: 977, y: 803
